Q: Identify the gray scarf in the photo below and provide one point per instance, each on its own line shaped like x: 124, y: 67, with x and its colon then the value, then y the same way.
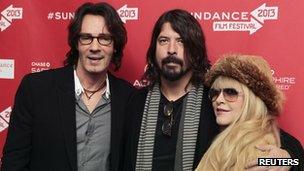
x: 189, y: 127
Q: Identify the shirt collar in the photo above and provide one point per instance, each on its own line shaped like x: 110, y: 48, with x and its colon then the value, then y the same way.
x: 79, y: 88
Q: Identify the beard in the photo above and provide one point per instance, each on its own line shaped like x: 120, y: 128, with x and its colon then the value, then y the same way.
x: 172, y: 74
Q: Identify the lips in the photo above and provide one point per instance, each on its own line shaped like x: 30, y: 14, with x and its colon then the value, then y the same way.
x: 171, y: 65
x: 220, y: 111
x: 95, y: 57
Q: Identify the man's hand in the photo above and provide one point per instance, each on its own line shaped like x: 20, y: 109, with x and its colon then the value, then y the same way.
x: 274, y: 152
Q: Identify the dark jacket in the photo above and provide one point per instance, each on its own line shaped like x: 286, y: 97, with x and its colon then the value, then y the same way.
x: 294, y: 148
x: 207, y: 128
x: 42, y: 129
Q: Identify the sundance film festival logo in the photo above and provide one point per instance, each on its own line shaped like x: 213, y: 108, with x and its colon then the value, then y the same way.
x: 8, y: 15
x: 7, y: 68
x: 240, y: 21
x: 40, y: 66
x: 60, y: 15
x: 4, y: 118
x: 126, y: 13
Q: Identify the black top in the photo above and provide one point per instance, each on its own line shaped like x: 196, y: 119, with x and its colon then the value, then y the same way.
x: 165, y: 146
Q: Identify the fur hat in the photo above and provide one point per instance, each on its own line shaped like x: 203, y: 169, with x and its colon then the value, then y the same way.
x: 252, y: 71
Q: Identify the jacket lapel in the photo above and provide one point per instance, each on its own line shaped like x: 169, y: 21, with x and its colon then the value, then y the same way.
x: 66, y: 99
x: 115, y: 120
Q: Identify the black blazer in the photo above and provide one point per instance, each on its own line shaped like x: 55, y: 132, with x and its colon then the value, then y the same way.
x: 42, y: 129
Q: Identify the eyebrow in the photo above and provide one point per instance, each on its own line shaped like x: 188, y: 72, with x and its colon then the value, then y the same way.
x: 160, y: 37
x: 100, y: 34
x: 167, y: 37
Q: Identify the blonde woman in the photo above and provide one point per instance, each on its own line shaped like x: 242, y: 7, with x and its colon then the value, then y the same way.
x: 246, y: 103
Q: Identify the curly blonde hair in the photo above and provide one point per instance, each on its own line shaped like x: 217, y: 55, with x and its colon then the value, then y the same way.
x: 235, y: 146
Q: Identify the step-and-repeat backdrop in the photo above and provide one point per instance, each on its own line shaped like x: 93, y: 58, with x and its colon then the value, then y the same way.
x: 33, y: 38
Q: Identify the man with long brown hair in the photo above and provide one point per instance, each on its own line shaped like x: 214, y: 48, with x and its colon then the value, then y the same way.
x: 71, y: 118
x: 171, y: 121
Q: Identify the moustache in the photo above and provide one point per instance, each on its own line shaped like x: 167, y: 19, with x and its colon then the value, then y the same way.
x: 172, y: 59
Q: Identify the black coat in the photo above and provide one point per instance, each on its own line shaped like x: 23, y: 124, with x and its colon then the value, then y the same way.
x: 208, y: 128
x: 42, y: 129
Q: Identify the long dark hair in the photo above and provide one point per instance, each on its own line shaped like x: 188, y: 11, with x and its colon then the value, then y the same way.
x: 193, y: 38
x: 113, y: 22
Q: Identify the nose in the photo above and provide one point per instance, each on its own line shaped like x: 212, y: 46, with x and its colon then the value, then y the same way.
x: 95, y: 46
x: 172, y: 48
x: 220, y: 98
